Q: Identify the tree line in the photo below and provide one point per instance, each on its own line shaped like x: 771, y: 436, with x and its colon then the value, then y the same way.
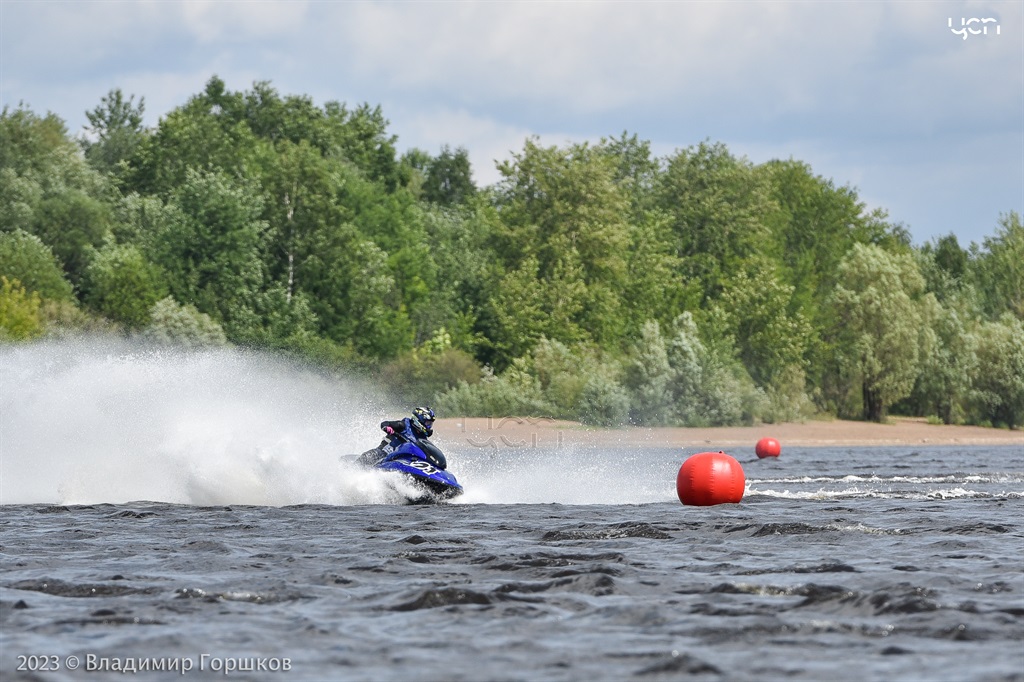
x: 592, y: 281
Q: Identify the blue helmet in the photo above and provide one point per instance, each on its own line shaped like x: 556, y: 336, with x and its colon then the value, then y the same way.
x: 422, y: 420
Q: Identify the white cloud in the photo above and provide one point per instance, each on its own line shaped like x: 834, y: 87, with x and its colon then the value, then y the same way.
x: 487, y: 140
x: 240, y: 20
x: 602, y: 56
x: 856, y: 89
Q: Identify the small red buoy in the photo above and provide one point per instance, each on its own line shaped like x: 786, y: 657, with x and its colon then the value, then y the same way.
x: 709, y: 478
x: 767, y: 447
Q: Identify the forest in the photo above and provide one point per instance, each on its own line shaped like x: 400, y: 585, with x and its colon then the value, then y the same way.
x: 593, y: 282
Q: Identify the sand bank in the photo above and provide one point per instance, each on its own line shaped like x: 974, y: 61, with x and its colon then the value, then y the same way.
x: 502, y: 432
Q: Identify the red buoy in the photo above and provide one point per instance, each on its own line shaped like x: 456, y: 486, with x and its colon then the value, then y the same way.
x: 709, y: 478
x: 767, y: 447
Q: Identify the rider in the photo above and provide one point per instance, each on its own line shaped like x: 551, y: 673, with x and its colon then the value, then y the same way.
x: 415, y: 429
x: 420, y: 425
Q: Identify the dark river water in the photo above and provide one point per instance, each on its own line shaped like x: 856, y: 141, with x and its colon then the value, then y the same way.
x: 848, y: 564
x: 186, y: 516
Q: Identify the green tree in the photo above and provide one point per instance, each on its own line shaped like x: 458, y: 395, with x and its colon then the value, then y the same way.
x: 32, y: 146
x: 999, y: 382
x: 48, y: 189
x: 516, y: 392
x: 381, y: 329
x: 636, y: 170
x: 562, y: 210
x: 943, y: 385
x: 19, y: 197
x: 878, y: 315
x: 360, y: 136
x: 414, y: 165
x: 814, y: 227
x: 449, y: 178
x: 429, y: 370
x: 563, y: 373
x: 211, y: 251
x: 24, y: 257
x: 653, y: 288
x: 461, y: 249
x: 122, y: 285
x: 293, y: 118
x: 719, y: 208
x: 74, y: 224
x: 950, y: 258
x: 754, y: 311
x: 526, y: 308
x: 116, y: 129
x: 998, y: 268
x: 603, y: 402
x: 223, y: 129
x: 300, y: 187
x: 139, y: 220
x: 207, y: 133
x: 709, y: 386
x: 946, y: 269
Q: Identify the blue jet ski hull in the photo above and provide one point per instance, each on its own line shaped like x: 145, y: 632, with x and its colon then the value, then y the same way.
x: 432, y: 484
x: 436, y: 484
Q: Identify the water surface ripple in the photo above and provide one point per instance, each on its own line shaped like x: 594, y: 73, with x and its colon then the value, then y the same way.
x: 842, y: 564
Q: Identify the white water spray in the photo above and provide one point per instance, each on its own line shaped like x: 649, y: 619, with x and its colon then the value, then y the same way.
x: 85, y: 422
x: 102, y: 421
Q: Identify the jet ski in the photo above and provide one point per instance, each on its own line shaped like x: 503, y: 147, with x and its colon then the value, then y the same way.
x: 419, y: 463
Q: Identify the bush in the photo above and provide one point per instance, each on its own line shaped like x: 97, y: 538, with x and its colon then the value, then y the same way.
x: 603, y: 402
x: 514, y: 393
x: 422, y: 377
x: 727, y: 395
x: 709, y: 386
x: 786, y: 400
x: 19, y: 312
x: 562, y: 373
x: 63, y: 319
x: 649, y: 375
x: 326, y: 355
x: 175, y: 324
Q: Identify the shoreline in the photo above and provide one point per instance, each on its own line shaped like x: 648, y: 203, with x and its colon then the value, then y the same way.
x: 501, y: 432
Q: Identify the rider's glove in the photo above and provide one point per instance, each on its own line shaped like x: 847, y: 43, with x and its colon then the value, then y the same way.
x: 388, y: 430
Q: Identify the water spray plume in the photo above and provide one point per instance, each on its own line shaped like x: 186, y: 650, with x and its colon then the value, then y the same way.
x: 105, y: 421
x: 102, y: 421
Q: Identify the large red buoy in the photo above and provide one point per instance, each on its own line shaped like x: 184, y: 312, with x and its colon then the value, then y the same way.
x: 767, y: 447
x: 710, y: 478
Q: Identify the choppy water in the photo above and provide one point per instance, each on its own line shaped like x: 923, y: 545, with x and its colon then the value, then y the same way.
x: 565, y: 564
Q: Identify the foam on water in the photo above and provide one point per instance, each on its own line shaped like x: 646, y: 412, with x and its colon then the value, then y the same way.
x: 564, y: 475
x: 951, y: 478
x: 857, y: 492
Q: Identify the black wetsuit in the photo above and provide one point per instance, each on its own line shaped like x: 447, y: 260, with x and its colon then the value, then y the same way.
x: 403, y: 431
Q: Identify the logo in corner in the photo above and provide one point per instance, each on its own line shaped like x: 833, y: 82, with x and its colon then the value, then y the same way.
x: 974, y: 27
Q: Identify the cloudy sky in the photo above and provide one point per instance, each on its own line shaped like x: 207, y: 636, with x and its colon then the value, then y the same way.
x: 883, y: 96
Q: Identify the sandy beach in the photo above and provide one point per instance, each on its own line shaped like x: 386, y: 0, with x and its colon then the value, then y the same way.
x: 498, y: 432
